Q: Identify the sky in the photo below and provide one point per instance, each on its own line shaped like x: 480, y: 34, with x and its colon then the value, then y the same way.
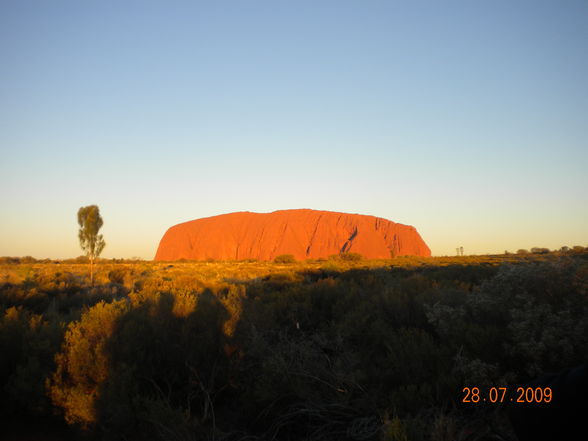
x: 465, y: 119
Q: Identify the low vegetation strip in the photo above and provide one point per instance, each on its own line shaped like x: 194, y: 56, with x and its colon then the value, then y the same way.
x: 332, y: 349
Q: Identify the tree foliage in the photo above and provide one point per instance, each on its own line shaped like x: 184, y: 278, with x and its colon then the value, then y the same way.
x: 91, y: 242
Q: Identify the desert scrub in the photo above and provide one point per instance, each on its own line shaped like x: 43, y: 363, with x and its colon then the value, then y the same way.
x: 285, y: 258
x: 322, y: 348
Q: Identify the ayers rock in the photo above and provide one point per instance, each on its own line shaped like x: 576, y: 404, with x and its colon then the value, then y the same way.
x: 306, y: 234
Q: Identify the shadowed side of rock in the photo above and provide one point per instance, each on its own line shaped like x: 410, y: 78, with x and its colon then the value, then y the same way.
x: 306, y: 234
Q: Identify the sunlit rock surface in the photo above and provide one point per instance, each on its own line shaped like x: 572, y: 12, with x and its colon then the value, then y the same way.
x: 304, y: 233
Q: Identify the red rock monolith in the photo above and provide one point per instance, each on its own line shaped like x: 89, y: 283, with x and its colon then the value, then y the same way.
x: 304, y: 233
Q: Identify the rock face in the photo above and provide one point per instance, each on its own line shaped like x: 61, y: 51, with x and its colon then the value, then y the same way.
x: 306, y: 234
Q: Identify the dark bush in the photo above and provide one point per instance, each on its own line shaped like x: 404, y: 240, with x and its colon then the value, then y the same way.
x: 285, y: 258
x: 117, y: 276
x: 351, y: 257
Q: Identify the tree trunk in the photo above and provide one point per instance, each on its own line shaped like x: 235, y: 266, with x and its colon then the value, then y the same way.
x: 91, y: 271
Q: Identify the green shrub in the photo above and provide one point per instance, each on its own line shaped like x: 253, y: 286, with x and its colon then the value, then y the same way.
x: 83, y: 363
x: 285, y: 258
x: 27, y: 344
x: 117, y: 276
x: 351, y: 257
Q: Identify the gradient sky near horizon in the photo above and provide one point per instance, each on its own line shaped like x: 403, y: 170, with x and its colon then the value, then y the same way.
x: 468, y: 120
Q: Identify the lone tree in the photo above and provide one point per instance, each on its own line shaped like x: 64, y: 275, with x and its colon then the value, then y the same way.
x: 91, y: 242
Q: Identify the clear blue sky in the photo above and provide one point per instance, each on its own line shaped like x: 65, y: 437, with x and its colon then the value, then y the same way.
x: 466, y: 119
